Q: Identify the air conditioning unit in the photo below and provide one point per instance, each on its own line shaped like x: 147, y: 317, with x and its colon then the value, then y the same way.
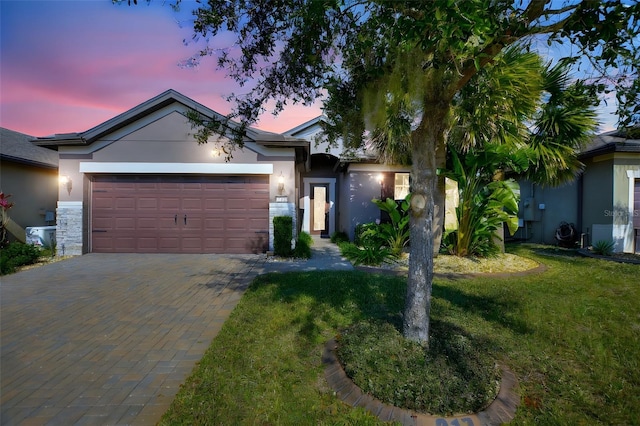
x: 42, y: 236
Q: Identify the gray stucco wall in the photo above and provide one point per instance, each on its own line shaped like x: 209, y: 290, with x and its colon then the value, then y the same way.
x: 560, y: 205
x: 597, y: 200
x: 34, y: 191
x: 356, y: 206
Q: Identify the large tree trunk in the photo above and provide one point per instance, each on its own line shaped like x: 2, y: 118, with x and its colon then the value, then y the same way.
x: 425, y: 141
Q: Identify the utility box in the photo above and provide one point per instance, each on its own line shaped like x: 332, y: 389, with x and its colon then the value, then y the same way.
x: 529, y: 209
x: 41, y: 236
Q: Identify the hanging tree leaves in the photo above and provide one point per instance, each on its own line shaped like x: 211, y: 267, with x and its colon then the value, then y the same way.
x: 398, y: 65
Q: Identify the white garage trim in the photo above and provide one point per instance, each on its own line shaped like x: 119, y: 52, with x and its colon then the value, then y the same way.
x: 171, y: 168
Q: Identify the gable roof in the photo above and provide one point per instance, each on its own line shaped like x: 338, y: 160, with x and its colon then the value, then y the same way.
x: 615, y: 141
x: 15, y: 146
x: 154, y: 104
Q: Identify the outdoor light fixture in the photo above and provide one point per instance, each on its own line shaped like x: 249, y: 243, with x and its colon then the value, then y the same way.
x: 281, y: 183
x: 66, y: 181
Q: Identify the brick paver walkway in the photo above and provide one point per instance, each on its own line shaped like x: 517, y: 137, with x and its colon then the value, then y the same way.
x: 107, y: 339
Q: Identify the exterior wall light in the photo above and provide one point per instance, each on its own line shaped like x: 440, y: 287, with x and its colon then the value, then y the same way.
x: 66, y: 181
x: 281, y: 183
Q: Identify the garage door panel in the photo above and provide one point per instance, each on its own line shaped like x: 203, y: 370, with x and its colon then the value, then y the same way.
x: 212, y: 225
x: 103, y: 202
x: 166, y: 203
x: 125, y: 223
x: 147, y: 203
x: 146, y: 214
x: 147, y: 243
x: 191, y: 204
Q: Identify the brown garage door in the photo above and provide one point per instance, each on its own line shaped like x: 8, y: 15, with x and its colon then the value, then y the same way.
x: 171, y: 214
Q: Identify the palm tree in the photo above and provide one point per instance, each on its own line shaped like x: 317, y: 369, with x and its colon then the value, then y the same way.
x: 494, y: 142
x: 564, y: 123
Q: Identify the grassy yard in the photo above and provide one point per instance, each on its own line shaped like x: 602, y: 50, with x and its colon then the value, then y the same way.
x: 571, y: 335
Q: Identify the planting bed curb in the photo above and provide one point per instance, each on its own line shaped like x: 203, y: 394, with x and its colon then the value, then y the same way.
x: 587, y: 253
x: 501, y: 410
x: 451, y: 276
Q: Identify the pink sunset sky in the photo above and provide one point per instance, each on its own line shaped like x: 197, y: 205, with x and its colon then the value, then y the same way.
x: 67, y: 66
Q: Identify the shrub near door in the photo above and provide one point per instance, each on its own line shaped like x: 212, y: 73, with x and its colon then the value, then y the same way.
x: 282, y: 235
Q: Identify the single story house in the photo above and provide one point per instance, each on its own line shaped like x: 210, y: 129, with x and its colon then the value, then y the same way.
x: 603, y: 203
x: 30, y: 175
x: 141, y: 183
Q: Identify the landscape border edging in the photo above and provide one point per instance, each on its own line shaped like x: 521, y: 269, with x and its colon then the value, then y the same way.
x: 501, y: 410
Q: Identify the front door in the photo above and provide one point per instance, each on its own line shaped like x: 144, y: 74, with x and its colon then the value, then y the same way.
x: 320, y: 209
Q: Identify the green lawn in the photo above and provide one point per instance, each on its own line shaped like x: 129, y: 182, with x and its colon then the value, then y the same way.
x: 570, y: 334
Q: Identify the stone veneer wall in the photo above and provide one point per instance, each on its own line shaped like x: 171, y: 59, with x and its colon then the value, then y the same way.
x: 69, y: 228
x: 281, y: 209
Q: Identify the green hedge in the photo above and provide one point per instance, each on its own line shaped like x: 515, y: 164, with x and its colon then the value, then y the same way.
x: 303, y: 246
x: 17, y: 254
x: 282, y: 235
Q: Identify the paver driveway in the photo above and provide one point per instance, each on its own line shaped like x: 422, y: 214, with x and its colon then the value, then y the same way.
x: 108, y: 338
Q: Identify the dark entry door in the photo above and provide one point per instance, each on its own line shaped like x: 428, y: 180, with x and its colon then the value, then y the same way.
x: 320, y: 209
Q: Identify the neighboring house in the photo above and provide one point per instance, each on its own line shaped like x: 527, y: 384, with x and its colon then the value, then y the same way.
x: 140, y: 183
x: 30, y: 175
x: 603, y: 203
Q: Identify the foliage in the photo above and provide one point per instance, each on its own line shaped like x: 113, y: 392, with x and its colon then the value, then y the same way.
x: 402, y: 373
x: 282, y: 235
x: 603, y: 248
x: 303, y: 246
x: 339, y: 237
x: 382, y: 63
x: 484, y: 204
x: 562, y: 126
x: 5, y: 205
x: 367, y: 234
x: 17, y: 254
x: 396, y: 233
x: 570, y: 336
x: 366, y: 254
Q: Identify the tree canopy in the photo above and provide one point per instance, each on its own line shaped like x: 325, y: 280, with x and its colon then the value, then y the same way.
x: 384, y: 67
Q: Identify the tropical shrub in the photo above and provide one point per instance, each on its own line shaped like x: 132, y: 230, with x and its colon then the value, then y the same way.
x: 5, y: 205
x: 303, y: 246
x: 339, y: 237
x: 17, y: 254
x: 485, y: 204
x: 282, y: 235
x: 367, y: 234
x: 603, y: 248
x: 364, y: 255
x: 395, y: 234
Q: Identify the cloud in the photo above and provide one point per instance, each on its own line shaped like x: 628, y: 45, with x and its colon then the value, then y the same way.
x: 68, y: 66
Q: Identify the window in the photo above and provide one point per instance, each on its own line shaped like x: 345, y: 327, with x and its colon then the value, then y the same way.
x: 401, y: 186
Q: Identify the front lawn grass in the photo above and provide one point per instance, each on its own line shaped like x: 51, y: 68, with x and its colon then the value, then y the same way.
x: 571, y: 335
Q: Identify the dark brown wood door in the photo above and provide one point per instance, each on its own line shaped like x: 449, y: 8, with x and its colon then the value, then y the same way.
x: 167, y: 214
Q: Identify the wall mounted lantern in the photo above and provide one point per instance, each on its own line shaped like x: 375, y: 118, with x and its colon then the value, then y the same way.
x: 66, y: 181
x: 281, y: 183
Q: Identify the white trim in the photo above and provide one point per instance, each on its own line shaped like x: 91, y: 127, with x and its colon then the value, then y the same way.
x: 632, y: 175
x: 306, y: 203
x: 178, y: 168
x: 69, y: 204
